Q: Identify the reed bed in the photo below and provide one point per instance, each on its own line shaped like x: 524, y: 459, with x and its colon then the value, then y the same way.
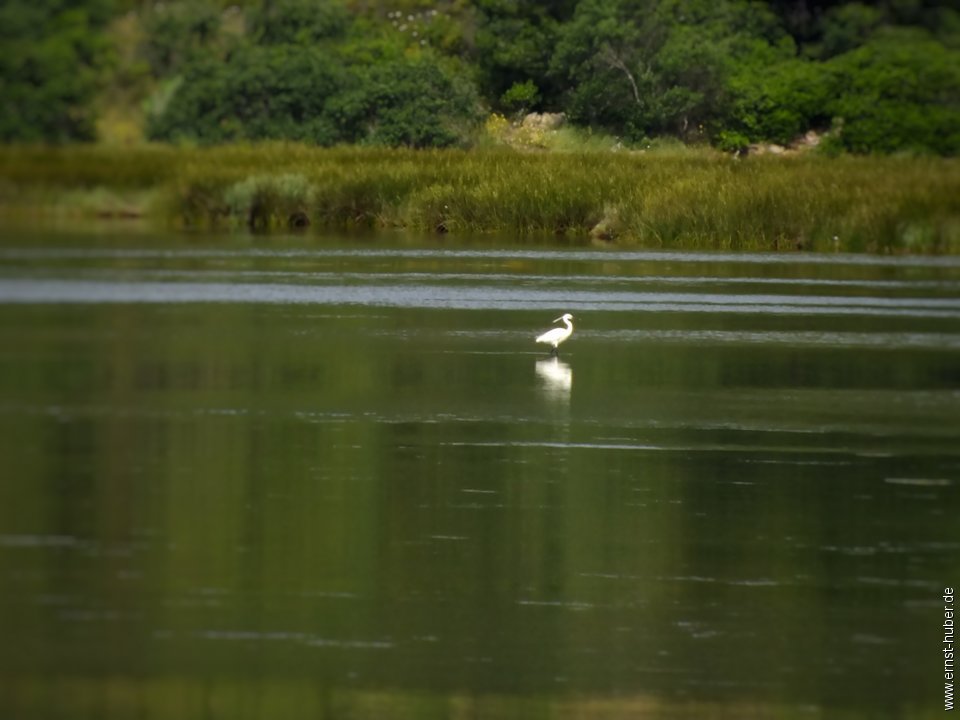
x: 690, y: 200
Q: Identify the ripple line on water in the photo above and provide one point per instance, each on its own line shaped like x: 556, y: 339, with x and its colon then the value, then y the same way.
x: 566, y: 255
x: 45, y: 291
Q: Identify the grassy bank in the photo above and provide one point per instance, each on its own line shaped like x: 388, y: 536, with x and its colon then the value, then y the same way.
x: 673, y: 199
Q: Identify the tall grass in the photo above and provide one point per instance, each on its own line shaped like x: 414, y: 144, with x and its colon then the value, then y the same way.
x: 702, y: 200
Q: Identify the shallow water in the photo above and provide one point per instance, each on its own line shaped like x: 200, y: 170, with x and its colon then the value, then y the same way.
x: 285, y: 477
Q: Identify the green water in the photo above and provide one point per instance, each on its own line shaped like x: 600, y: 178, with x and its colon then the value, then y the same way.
x: 302, y: 477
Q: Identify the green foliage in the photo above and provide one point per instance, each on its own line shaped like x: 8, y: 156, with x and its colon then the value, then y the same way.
x: 603, y: 58
x: 660, y: 66
x: 258, y: 93
x: 298, y: 21
x: 420, y: 74
x: 416, y: 102
x: 520, y: 97
x: 445, y: 33
x: 51, y: 57
x: 732, y: 141
x: 302, y: 93
x: 946, y: 27
x: 847, y: 27
x: 900, y: 91
x: 176, y: 32
x: 513, y: 44
x: 369, y: 43
x: 778, y: 103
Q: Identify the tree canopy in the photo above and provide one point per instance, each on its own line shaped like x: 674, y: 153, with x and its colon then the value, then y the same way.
x: 883, y: 77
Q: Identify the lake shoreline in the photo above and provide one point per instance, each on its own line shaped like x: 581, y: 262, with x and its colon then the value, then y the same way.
x: 698, y: 200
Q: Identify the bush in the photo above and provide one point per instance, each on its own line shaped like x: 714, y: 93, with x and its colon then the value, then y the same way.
x: 50, y: 61
x: 648, y: 67
x: 514, y: 42
x: 520, y: 96
x: 847, y: 27
x: 278, y: 92
x: 298, y: 21
x: 899, y: 92
x: 295, y: 92
x: 415, y: 103
x: 175, y: 32
x: 781, y: 102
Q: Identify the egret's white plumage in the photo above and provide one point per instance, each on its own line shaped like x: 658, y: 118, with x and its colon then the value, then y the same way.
x: 558, y: 335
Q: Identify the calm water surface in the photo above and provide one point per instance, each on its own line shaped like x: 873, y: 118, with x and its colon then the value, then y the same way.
x: 301, y: 477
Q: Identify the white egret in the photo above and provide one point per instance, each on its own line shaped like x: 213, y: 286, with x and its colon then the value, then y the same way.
x: 557, y: 335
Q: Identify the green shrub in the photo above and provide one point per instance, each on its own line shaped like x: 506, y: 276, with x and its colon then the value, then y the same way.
x: 520, y: 96
x: 415, y: 102
x: 900, y: 91
x: 777, y: 103
x: 847, y: 27
x: 277, y: 92
x: 175, y: 32
x: 650, y: 67
x: 298, y: 21
x: 731, y: 141
x: 513, y: 44
x: 50, y: 63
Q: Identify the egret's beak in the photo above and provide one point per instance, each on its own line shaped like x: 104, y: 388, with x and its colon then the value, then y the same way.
x: 558, y: 319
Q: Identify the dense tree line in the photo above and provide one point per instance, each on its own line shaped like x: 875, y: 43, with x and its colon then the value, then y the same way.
x: 883, y: 77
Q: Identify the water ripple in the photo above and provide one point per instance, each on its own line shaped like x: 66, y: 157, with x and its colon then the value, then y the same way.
x: 44, y: 291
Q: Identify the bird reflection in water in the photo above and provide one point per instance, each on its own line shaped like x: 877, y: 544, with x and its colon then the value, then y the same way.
x: 557, y: 377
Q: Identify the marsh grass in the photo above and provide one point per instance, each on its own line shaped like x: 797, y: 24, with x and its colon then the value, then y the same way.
x: 270, y: 201
x: 672, y: 200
